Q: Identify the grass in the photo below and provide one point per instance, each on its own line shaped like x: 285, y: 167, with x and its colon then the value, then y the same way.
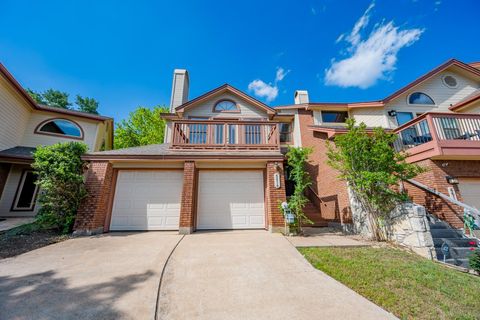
x: 403, y: 283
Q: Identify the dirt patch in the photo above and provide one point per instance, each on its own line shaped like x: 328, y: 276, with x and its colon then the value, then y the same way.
x: 19, y: 240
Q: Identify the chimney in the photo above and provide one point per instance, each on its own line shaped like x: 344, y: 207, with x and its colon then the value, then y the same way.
x: 180, y: 87
x: 301, y: 96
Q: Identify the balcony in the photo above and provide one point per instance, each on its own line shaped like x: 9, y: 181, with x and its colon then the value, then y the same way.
x: 217, y: 134
x: 440, y: 136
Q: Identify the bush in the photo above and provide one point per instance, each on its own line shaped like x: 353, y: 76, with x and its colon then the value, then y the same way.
x: 59, y: 170
x: 474, y: 260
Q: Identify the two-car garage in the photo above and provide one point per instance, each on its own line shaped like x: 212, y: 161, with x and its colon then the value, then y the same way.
x: 151, y: 200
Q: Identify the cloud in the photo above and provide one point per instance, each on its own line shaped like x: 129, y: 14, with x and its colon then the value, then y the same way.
x: 263, y: 90
x: 372, y: 58
x: 268, y: 91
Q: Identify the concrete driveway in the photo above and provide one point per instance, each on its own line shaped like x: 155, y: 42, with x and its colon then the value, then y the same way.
x: 113, y: 276
x: 253, y: 275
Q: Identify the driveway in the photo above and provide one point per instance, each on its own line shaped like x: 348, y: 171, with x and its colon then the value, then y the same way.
x: 113, y: 276
x: 253, y: 275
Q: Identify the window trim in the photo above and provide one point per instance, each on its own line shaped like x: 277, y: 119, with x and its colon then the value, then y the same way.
x: 226, y: 111
x: 446, y: 84
x: 334, y: 111
x: 16, y: 198
x: 420, y: 104
x: 289, y: 133
x: 66, y: 136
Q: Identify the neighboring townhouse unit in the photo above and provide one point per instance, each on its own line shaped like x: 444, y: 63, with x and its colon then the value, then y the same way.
x: 437, y: 118
x: 24, y: 125
x: 221, y: 167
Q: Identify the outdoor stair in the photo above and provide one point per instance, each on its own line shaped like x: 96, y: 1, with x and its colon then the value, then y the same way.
x: 313, y: 213
x: 442, y: 232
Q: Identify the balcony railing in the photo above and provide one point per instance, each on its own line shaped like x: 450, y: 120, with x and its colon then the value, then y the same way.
x: 216, y: 134
x: 439, y: 134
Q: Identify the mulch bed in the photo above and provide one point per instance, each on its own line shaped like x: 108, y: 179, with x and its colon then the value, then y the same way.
x: 14, y: 243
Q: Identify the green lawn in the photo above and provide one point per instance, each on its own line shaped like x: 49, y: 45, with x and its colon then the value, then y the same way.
x: 405, y: 284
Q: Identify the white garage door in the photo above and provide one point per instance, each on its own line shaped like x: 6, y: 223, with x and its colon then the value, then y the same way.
x: 470, y: 191
x: 230, y: 200
x: 147, y: 200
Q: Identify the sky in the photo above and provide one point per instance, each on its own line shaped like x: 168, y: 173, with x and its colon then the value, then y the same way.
x: 123, y: 53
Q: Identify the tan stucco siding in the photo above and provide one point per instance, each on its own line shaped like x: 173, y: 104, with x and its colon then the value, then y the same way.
x: 15, y: 114
x: 205, y: 109
x: 32, y: 139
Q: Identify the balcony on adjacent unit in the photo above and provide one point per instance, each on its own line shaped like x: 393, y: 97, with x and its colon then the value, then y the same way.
x: 219, y: 134
x: 440, y: 136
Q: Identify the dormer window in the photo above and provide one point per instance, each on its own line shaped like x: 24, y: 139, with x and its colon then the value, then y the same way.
x: 226, y: 106
x: 420, y: 98
x: 60, y: 127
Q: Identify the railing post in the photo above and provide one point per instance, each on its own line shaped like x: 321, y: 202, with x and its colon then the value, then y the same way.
x: 433, y: 128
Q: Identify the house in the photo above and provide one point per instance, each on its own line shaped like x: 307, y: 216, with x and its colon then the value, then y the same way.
x: 221, y: 167
x: 437, y: 119
x: 24, y: 125
x: 222, y: 164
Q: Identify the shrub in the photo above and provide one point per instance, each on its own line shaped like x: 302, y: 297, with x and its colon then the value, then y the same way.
x: 474, y: 260
x: 59, y: 170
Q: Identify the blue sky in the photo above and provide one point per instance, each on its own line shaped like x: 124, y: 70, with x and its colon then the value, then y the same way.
x: 123, y: 52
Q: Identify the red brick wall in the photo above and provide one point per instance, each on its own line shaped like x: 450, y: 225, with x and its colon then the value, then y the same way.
x: 4, y: 170
x: 188, y: 201
x: 334, y: 202
x: 94, y: 208
x: 434, y: 178
x: 274, y: 197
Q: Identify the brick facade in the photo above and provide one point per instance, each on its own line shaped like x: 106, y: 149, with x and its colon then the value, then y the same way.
x: 274, y: 197
x: 435, y: 177
x: 188, y: 201
x: 93, y: 210
x: 333, y: 200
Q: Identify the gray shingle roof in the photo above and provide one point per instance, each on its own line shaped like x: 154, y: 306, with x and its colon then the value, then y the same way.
x: 18, y: 152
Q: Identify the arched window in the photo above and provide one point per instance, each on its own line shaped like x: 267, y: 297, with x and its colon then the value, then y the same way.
x: 60, y: 127
x: 225, y: 106
x: 420, y: 98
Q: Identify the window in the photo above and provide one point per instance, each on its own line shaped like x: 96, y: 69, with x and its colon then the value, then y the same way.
x: 404, y: 117
x: 26, y: 192
x: 334, y: 116
x: 60, y: 127
x: 420, y: 98
x: 285, y: 132
x: 225, y: 106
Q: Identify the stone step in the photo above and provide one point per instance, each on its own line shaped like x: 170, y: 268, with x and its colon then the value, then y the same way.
x: 439, y: 225
x: 457, y: 262
x: 454, y: 243
x: 455, y: 253
x: 446, y: 233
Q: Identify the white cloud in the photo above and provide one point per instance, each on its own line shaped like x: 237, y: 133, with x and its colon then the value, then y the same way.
x: 263, y: 90
x: 372, y: 58
x: 268, y: 91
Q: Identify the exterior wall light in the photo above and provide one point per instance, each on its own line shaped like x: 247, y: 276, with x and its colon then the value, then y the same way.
x: 392, y: 113
x: 451, y: 180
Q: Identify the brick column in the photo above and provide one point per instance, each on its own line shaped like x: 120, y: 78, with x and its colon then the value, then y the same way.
x: 274, y: 197
x: 93, y: 209
x: 188, y: 203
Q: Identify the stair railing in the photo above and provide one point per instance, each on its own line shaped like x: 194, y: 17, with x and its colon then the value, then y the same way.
x: 467, y: 210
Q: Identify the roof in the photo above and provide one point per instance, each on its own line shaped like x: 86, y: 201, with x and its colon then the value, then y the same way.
x: 18, y: 152
x: 225, y: 88
x: 470, y: 68
x: 332, y: 131
x: 34, y: 105
x: 475, y: 96
x: 163, y: 152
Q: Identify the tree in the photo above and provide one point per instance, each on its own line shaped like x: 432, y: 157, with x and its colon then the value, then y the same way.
x: 372, y: 170
x: 143, y: 126
x: 37, y: 96
x: 86, y: 104
x: 56, y: 98
x: 59, y: 169
x: 297, y: 159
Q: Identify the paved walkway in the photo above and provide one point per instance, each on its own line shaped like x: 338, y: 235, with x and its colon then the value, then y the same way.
x: 253, y: 275
x: 113, y: 276
x: 10, y: 223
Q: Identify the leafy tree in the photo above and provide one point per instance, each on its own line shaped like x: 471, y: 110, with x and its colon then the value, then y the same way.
x: 37, y: 96
x: 143, y: 126
x: 59, y: 170
x: 296, y: 160
x: 56, y: 98
x: 373, y: 171
x: 86, y: 104
x: 474, y: 260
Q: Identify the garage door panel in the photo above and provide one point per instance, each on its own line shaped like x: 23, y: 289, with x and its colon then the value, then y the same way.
x: 470, y: 191
x: 147, y: 200
x: 230, y: 200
